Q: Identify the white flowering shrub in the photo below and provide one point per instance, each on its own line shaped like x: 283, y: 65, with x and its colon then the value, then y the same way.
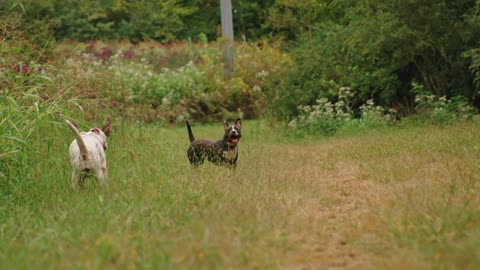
x: 168, y: 86
x: 326, y: 117
x: 441, y: 110
x: 375, y: 116
x: 320, y: 117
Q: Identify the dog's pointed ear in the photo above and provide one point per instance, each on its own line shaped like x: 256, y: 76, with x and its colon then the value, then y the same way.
x: 238, y: 123
x: 225, y: 125
x: 95, y: 130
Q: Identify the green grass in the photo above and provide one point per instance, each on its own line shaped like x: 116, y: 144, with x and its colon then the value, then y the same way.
x: 392, y: 198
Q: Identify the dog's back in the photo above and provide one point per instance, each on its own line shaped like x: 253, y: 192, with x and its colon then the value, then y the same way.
x: 95, y: 152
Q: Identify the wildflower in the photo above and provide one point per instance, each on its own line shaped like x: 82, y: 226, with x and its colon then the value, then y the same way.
x: 306, y: 108
x: 322, y: 101
x: 165, y: 101
x: 262, y: 74
x: 180, y: 118
x: 25, y: 69
x: 16, y: 68
x: 129, y: 54
x: 392, y: 111
x: 292, y: 123
x: 257, y: 89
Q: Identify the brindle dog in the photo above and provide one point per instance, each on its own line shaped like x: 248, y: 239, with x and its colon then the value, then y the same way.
x: 222, y: 152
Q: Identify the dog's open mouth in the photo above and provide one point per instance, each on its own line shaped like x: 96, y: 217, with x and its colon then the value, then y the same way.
x: 233, y: 139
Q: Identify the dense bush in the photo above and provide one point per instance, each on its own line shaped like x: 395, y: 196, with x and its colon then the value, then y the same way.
x: 106, y: 19
x: 164, y: 21
x: 379, y: 50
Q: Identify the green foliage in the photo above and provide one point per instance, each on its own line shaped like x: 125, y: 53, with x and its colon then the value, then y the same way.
x: 204, y: 19
x: 250, y: 19
x: 172, y: 20
x: 380, y: 49
x: 163, y: 21
x: 290, y: 19
x: 159, y: 20
x: 474, y: 56
x: 109, y: 19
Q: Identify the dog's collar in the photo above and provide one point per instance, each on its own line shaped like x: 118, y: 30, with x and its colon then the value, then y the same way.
x: 229, y: 146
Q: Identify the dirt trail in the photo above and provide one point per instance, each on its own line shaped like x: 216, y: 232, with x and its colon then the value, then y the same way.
x: 340, y: 219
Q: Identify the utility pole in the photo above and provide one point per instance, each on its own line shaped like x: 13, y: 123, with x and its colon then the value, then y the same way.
x: 227, y: 35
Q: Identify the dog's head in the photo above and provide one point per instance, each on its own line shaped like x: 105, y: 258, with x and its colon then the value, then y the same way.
x: 232, y: 133
x: 101, y: 137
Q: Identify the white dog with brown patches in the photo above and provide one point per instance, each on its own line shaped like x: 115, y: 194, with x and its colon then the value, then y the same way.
x: 87, y: 155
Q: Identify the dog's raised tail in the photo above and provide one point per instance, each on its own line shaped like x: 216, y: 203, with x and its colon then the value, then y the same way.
x: 190, y: 134
x: 78, y: 138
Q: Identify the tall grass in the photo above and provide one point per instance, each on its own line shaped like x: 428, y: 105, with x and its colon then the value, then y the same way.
x: 37, y: 91
x: 36, y: 96
x: 399, y: 198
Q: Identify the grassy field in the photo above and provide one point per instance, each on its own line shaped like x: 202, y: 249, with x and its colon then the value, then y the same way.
x: 400, y: 198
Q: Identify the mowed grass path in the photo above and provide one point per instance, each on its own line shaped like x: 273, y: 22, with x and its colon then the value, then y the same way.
x: 384, y: 199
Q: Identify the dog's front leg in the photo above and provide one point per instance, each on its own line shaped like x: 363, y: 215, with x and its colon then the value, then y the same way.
x: 232, y: 166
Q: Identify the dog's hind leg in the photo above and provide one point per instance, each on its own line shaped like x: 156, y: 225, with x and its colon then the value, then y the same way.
x: 76, y: 175
x: 195, y: 157
x: 105, y: 173
x: 102, y: 176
